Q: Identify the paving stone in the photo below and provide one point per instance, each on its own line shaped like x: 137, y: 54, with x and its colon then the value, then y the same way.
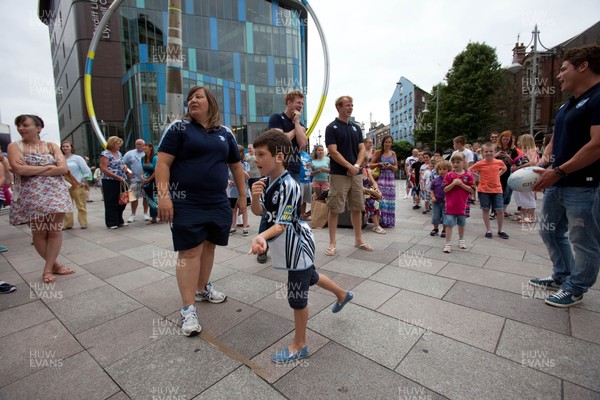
x: 113, y: 266
x: 527, y: 269
x: 485, y: 277
x: 253, y: 335
x: 584, y: 324
x: 369, y: 333
x: 244, y: 263
x: 378, y: 256
x: 565, y: 357
x: 464, y: 372
x: 119, y: 396
x: 574, y: 392
x: 272, y: 372
x: 246, y: 288
x: 171, y: 365
x: 62, y: 289
x: 491, y: 250
x: 274, y: 274
x: 136, y: 279
x: 346, y: 282
x: 86, y: 310
x: 509, y: 305
x: 121, y: 336
x: 161, y: 296
x: 65, y: 382
x: 277, y: 303
x: 87, y: 257
x: 417, y: 262
x: 415, y: 281
x: 461, y: 323
x: 241, y: 384
x: 537, y: 259
x: 335, y: 372
x: 349, y: 266
x: 39, y: 347
x: 77, y: 245
x: 145, y: 252
x: 12, y: 320
x: 220, y: 272
x: 218, y: 318
x: 125, y: 244
x: 22, y: 295
x: 591, y: 301
x: 458, y: 256
x: 35, y: 264
x: 372, y: 294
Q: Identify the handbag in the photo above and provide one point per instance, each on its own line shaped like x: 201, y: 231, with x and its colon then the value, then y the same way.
x: 375, y: 173
x: 319, y: 212
x: 126, y: 194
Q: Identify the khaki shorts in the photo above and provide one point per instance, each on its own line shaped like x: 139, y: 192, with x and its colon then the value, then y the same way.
x: 138, y: 189
x: 342, y: 188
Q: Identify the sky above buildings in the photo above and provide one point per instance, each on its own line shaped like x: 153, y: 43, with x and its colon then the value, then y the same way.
x: 371, y: 45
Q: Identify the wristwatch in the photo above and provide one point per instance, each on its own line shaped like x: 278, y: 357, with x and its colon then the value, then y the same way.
x: 559, y: 172
x: 356, y: 166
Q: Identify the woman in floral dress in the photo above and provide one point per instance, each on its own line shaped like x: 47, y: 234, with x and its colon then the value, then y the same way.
x: 385, y: 159
x: 42, y: 196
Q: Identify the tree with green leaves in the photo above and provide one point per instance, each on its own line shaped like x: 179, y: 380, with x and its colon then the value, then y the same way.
x: 468, y: 103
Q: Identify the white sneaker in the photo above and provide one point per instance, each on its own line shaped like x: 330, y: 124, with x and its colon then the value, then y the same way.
x: 147, y: 217
x: 131, y: 219
x: 210, y: 295
x: 462, y: 244
x: 189, y: 321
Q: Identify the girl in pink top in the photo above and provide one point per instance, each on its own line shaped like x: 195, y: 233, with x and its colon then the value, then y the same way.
x: 458, y: 185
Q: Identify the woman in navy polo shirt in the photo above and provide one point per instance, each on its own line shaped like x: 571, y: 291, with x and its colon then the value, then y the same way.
x: 191, y: 179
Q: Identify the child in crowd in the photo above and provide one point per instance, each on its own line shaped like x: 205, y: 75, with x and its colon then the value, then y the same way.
x: 291, y: 241
x: 425, y: 180
x: 529, y: 157
x: 233, y: 193
x: 438, y: 197
x: 490, y: 188
x: 458, y: 185
x: 415, y: 168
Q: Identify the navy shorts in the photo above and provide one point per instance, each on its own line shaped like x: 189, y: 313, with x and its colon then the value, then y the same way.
x: 496, y: 200
x: 298, y: 284
x: 193, y: 225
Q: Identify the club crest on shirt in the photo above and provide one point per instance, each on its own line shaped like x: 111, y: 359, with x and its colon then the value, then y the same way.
x: 222, y: 138
x: 354, y: 128
x: 275, y: 198
x: 288, y: 213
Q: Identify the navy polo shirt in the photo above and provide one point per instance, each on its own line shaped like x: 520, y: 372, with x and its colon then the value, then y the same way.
x: 347, y: 137
x: 199, y: 172
x: 572, y: 127
x: 281, y: 121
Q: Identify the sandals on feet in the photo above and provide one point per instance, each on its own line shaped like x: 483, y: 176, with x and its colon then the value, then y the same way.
x: 364, y: 246
x: 330, y: 251
x: 62, y: 270
x: 380, y: 230
x: 48, y: 277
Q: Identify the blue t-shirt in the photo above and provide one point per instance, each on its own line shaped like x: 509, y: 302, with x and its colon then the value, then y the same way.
x: 148, y: 169
x: 572, y: 127
x: 199, y: 171
x: 295, y: 247
x: 322, y: 163
x: 347, y: 137
x: 281, y: 121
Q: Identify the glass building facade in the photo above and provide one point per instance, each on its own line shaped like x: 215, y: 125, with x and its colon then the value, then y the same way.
x: 249, y: 53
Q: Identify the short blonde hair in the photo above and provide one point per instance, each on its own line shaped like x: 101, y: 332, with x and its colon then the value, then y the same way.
x: 458, y: 157
x: 443, y: 164
x: 340, y: 101
x: 112, y: 141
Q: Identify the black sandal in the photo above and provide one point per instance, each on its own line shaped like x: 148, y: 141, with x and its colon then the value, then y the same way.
x: 434, y: 232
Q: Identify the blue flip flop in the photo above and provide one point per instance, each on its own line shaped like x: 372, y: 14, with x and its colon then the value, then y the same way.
x: 338, y: 307
x: 284, y: 356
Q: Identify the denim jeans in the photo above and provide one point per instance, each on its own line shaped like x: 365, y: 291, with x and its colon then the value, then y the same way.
x: 573, y: 210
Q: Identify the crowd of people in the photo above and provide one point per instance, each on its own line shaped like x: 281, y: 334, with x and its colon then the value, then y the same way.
x: 200, y: 180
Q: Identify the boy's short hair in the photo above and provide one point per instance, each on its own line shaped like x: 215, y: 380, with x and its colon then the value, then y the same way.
x: 443, y: 164
x: 457, y: 157
x: 276, y: 142
x: 437, y: 152
x: 291, y: 96
x: 460, y: 140
x: 427, y: 153
x: 488, y: 144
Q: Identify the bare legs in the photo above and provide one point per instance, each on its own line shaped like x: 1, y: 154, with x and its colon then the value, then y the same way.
x: 193, y: 270
x: 47, y: 239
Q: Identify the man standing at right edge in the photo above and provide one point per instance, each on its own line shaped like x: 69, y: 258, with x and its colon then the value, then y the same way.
x: 344, y: 142
x: 572, y: 184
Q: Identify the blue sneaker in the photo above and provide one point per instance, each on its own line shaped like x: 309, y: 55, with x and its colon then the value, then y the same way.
x: 338, y: 307
x: 562, y: 298
x: 6, y: 287
x: 284, y: 356
x: 3, y: 249
x: 545, y: 283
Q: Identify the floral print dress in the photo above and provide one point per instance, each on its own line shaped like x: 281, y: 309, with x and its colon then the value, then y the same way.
x: 40, y: 195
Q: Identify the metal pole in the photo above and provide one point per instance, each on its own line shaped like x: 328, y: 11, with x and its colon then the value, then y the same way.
x: 174, y: 63
x: 437, y: 102
x: 533, y: 83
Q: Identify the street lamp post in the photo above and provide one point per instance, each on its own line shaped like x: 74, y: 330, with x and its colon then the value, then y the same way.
x: 437, y: 108
x: 319, y: 137
x: 515, y: 67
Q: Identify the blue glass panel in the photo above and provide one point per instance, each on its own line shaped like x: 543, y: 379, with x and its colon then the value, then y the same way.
x: 161, y: 83
x: 214, y: 36
x: 242, y: 10
x: 143, y: 53
x: 271, y: 71
x: 236, y: 67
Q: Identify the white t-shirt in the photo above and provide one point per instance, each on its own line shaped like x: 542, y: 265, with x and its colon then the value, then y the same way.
x: 467, y: 153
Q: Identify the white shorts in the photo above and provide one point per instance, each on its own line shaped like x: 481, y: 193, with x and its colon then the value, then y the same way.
x: 524, y: 199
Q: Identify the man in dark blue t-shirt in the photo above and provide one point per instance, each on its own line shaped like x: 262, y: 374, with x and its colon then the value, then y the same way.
x: 288, y: 123
x: 344, y: 141
x: 571, y: 199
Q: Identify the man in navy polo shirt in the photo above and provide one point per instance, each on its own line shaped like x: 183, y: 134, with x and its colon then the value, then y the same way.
x: 572, y: 184
x: 288, y: 122
x: 344, y: 141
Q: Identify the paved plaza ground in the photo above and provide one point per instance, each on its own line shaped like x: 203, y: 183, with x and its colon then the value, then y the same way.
x: 423, y: 325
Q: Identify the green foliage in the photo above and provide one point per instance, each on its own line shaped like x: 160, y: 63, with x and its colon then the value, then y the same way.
x: 468, y: 103
x: 402, y: 149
